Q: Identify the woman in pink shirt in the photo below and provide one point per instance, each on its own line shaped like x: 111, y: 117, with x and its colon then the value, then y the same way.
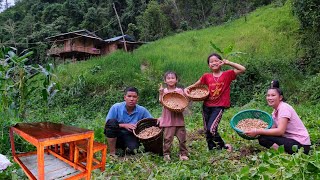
x: 288, y: 129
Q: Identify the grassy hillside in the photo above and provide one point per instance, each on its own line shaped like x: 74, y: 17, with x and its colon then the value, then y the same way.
x: 267, y: 36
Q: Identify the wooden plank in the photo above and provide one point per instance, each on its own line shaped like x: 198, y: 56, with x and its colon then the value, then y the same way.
x: 24, y: 168
x: 54, y: 167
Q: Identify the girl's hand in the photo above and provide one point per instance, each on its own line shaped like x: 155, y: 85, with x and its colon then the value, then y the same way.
x: 224, y: 62
x: 161, y: 89
x: 252, y: 133
x: 187, y: 91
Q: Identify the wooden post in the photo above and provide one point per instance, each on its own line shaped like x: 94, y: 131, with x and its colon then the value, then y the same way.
x: 124, y: 40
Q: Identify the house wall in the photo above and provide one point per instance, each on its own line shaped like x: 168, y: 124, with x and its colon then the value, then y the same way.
x: 109, y: 48
x: 80, y: 45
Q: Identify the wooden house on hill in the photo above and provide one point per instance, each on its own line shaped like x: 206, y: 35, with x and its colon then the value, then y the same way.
x: 115, y: 43
x: 83, y: 44
x: 79, y: 44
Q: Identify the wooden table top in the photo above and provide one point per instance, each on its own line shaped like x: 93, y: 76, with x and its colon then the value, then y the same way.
x: 42, y: 131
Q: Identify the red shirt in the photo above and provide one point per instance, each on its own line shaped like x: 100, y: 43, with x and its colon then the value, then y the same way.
x: 219, y: 88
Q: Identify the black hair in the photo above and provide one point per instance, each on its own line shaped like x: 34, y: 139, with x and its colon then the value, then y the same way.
x: 275, y: 84
x: 131, y: 89
x: 214, y: 54
x: 169, y: 72
x: 279, y: 91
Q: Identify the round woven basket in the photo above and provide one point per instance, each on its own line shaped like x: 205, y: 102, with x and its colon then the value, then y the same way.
x: 175, y: 102
x: 198, y: 93
x: 152, y: 144
x: 252, y: 114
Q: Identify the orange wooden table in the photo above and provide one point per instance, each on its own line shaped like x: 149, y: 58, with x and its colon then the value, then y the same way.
x: 44, y: 134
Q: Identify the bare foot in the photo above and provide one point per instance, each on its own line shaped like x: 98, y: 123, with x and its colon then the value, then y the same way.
x: 229, y: 147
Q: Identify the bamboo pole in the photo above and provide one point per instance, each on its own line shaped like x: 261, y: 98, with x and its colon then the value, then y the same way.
x: 124, y: 40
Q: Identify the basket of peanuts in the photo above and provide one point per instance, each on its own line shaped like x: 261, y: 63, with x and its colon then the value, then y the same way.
x: 150, y: 135
x: 250, y: 119
x: 175, y: 102
x: 198, y: 93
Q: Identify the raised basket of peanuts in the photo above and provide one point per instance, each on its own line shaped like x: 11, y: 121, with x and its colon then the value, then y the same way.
x: 175, y: 101
x: 198, y: 93
x: 250, y: 119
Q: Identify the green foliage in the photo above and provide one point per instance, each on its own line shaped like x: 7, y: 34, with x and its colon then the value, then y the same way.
x: 19, y: 81
x: 276, y: 164
x: 226, y: 52
x: 308, y: 47
x: 153, y: 23
x: 28, y: 23
x: 310, y: 89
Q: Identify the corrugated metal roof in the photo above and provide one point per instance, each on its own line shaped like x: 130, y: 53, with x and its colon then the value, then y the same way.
x: 127, y: 38
x: 82, y: 32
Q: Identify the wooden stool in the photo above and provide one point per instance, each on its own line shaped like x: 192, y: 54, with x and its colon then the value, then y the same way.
x: 81, y: 146
x: 64, y: 149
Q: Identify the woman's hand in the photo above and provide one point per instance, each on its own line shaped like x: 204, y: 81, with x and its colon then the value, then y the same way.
x: 252, y: 133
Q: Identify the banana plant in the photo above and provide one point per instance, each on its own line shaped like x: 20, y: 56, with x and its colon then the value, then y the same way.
x: 227, y: 51
x: 19, y: 81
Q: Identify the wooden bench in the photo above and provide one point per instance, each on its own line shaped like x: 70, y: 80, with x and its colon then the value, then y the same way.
x: 81, y: 147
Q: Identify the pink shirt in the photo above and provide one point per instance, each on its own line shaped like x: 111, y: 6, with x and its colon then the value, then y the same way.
x: 169, y: 118
x: 295, y: 128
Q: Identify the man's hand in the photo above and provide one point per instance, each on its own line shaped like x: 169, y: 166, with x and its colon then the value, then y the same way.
x: 129, y: 127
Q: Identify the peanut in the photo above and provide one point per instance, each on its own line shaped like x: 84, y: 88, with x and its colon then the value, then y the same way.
x: 149, y: 132
x: 248, y: 124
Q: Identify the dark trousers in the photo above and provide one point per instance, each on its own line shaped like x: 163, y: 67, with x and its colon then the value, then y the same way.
x: 268, y: 141
x: 126, y: 140
x: 212, y: 117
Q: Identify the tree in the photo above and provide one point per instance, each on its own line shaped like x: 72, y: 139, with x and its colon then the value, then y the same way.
x: 309, y: 16
x: 51, y: 13
x: 10, y: 28
x: 153, y: 23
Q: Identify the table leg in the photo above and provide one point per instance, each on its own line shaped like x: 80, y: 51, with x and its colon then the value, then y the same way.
x: 40, y: 155
x: 71, y: 151
x: 89, y: 156
x: 13, y: 149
